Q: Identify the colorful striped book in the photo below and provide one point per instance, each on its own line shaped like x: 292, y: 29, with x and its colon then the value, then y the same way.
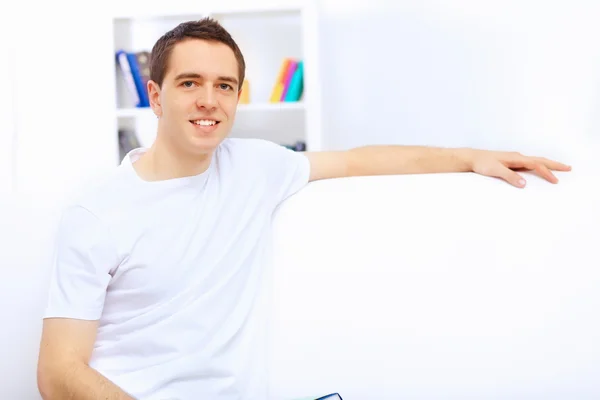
x: 278, y: 88
x: 290, y: 81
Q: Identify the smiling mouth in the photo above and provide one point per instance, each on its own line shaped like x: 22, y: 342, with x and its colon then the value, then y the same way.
x: 205, y: 122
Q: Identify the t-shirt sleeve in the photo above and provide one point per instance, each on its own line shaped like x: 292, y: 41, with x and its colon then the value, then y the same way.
x: 286, y: 171
x: 83, y: 261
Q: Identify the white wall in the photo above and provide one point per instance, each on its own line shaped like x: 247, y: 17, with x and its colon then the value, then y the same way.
x: 7, y: 123
x: 62, y: 99
x: 522, y: 75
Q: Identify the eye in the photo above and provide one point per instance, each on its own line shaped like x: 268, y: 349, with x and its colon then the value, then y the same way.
x: 187, y: 84
x: 225, y: 86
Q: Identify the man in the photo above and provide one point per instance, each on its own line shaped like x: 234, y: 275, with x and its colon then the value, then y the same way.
x: 156, y: 285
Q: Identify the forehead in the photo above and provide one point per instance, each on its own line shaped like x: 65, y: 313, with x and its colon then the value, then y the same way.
x: 207, y: 58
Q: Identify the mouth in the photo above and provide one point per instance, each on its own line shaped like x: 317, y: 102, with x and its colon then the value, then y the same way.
x: 205, y: 125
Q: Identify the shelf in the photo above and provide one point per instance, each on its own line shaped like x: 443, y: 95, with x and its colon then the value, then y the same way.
x: 239, y: 9
x: 283, y: 106
x: 268, y: 31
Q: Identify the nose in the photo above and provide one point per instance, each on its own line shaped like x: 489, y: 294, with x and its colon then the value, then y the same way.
x: 207, y: 97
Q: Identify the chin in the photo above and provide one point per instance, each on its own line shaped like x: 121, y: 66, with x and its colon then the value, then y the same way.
x: 206, y: 144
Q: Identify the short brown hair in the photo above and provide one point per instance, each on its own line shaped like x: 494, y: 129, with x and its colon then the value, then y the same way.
x: 205, y: 29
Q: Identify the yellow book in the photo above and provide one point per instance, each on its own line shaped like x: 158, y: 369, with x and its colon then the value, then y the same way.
x: 278, y: 87
x: 277, y: 91
x: 245, y: 95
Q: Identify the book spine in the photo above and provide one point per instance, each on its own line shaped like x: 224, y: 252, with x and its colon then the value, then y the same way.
x: 128, y: 76
x: 278, y: 87
x: 288, y: 77
x: 139, y: 82
x: 296, y: 84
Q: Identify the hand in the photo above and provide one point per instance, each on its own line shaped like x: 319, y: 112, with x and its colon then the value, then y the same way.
x: 504, y: 165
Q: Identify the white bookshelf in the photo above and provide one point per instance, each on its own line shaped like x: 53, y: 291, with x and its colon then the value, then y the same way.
x: 266, y: 33
x: 133, y: 112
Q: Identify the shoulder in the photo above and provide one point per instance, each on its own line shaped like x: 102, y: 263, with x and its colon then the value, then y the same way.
x: 256, y: 151
x: 98, y: 192
x: 275, y: 168
x: 87, y: 217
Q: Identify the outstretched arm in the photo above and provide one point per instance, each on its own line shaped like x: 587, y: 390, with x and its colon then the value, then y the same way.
x: 397, y: 160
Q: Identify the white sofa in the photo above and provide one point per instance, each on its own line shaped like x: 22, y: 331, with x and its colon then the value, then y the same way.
x: 451, y: 286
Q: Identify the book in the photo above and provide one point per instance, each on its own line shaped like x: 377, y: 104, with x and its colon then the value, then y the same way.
x: 296, y: 83
x: 279, y: 82
x: 125, y: 69
x: 245, y: 94
x: 143, y: 61
x: 331, y: 396
x: 298, y: 146
x: 289, y: 73
x: 128, y: 141
x: 138, y: 80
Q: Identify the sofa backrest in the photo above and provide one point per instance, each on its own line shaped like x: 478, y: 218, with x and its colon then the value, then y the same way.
x: 27, y: 227
x: 424, y: 286
x: 438, y: 287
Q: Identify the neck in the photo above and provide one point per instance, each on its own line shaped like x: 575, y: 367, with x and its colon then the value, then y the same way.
x: 164, y: 161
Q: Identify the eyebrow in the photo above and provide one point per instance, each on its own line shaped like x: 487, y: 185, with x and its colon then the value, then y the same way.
x: 193, y: 75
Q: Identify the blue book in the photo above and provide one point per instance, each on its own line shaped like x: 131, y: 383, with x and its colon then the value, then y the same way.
x: 123, y: 62
x: 139, y: 81
x: 294, y: 91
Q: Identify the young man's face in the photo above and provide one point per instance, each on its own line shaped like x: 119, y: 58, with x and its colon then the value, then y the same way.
x: 199, y: 95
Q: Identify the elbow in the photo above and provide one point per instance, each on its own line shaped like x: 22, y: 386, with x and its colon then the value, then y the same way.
x: 44, y: 383
x: 47, y: 382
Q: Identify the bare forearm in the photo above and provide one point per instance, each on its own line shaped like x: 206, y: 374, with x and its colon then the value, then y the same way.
x: 80, y: 382
x: 395, y: 160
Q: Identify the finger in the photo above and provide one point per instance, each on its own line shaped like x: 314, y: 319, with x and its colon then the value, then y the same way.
x: 509, y: 176
x: 521, y: 161
x: 553, y: 165
x: 545, y: 173
x: 541, y: 169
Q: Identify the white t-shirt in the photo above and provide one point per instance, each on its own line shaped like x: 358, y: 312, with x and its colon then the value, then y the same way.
x: 174, y: 269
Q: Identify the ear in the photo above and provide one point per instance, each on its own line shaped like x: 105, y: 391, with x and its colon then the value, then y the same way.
x: 154, y: 97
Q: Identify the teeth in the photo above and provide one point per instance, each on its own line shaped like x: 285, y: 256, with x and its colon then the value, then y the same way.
x: 205, y: 122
